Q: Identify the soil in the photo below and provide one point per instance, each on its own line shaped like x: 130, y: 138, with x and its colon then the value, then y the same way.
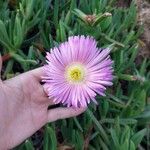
x: 143, y: 8
x: 123, y: 3
x: 143, y: 17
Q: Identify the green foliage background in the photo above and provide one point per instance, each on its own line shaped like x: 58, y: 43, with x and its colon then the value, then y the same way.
x: 29, y: 28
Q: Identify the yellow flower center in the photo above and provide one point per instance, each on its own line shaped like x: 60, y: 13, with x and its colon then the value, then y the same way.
x: 75, y: 73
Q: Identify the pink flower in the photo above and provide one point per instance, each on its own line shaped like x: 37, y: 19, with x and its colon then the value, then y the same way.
x: 76, y: 71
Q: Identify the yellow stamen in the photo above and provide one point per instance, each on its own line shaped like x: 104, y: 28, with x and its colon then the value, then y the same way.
x: 75, y: 73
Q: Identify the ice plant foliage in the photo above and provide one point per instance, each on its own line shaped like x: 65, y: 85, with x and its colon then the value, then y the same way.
x: 76, y: 71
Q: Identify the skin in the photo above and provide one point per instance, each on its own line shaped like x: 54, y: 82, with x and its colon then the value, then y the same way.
x: 24, y: 108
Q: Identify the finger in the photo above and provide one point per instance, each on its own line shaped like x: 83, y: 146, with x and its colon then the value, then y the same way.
x: 61, y: 113
x: 38, y: 73
x: 48, y: 101
x: 42, y: 90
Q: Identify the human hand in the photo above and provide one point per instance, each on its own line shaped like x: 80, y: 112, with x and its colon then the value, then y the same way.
x: 24, y: 108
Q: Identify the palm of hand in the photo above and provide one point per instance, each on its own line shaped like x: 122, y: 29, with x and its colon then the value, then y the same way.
x: 25, y: 105
x: 24, y: 108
